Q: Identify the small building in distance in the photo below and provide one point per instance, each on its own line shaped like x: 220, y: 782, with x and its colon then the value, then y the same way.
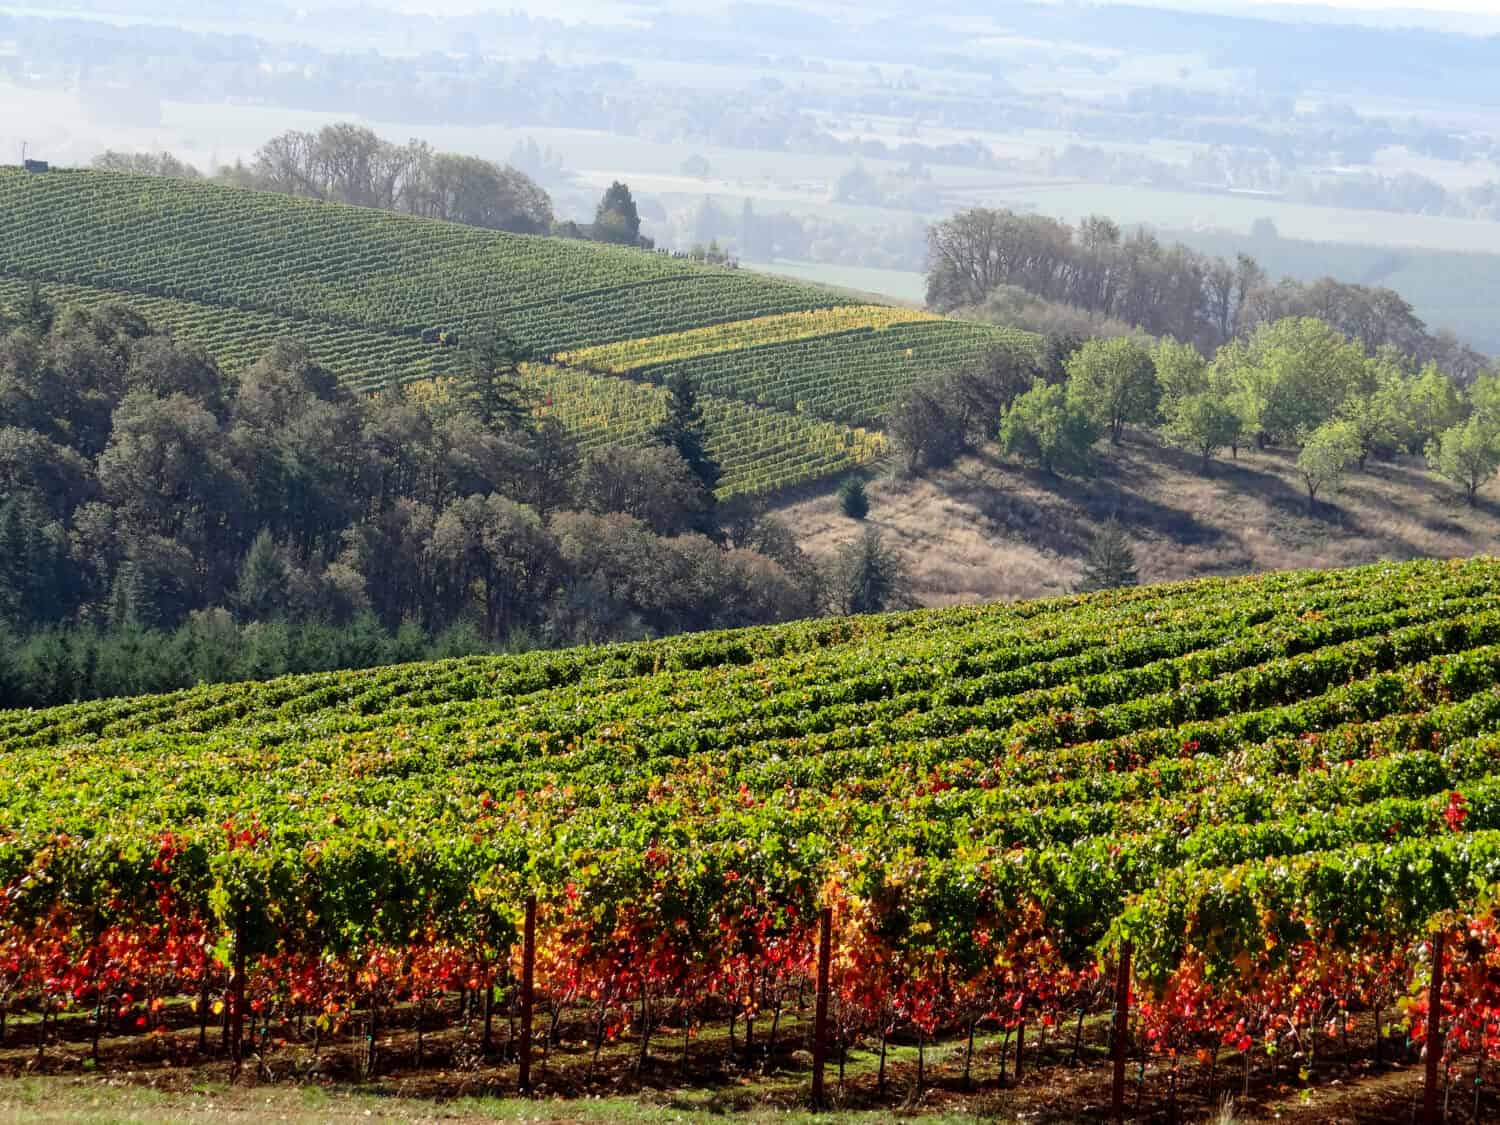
x: 35, y: 165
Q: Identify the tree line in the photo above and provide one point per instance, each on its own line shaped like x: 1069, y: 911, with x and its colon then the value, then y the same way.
x: 1164, y: 289
x: 1297, y: 382
x: 348, y: 163
x: 164, y: 522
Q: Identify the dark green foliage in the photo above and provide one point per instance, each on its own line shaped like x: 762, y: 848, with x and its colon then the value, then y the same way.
x: 616, y: 218
x: 261, y: 588
x: 682, y: 429
x: 36, y: 573
x: 869, y: 577
x: 491, y: 383
x: 162, y: 523
x: 1056, y: 349
x: 1110, y: 562
x: 63, y: 665
x: 853, y: 498
x: 1045, y: 427
x: 37, y: 313
x: 928, y: 432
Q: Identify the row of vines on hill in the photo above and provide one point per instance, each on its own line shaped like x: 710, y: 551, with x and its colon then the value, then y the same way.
x: 1275, y: 791
x: 358, y: 267
x: 759, y: 449
x: 796, y: 380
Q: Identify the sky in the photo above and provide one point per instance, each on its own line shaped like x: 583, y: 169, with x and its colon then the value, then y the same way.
x: 1476, y: 7
x: 1479, y: 17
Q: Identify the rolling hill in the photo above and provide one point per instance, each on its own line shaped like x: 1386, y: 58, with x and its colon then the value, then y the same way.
x: 1268, y: 792
x: 988, y: 529
x: 797, y: 378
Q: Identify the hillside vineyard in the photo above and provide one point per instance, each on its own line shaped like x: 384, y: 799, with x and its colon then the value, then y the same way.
x: 1276, y: 790
x: 796, y: 379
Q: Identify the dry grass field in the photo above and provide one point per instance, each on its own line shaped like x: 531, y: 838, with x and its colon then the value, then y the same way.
x: 988, y: 529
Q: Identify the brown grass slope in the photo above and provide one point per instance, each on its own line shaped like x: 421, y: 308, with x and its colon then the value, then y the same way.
x: 988, y: 529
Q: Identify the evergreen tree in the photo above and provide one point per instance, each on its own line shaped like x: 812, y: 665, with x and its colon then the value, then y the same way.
x: 261, y: 588
x: 491, y: 385
x: 37, y: 313
x: 1110, y: 562
x: 10, y: 669
x: 853, y: 498
x: 682, y: 429
x: 616, y: 219
x: 869, y: 577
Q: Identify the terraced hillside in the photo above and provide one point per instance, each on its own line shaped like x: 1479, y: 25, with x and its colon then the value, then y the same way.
x: 1271, y: 793
x: 383, y: 298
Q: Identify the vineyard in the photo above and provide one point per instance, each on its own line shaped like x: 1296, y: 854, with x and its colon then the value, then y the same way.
x: 1236, y: 826
x: 383, y: 299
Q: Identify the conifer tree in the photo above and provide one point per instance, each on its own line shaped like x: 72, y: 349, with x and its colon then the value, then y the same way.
x: 491, y: 385
x: 682, y: 429
x: 1110, y: 562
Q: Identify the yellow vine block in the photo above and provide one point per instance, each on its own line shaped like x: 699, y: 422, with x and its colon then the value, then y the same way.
x: 780, y: 328
x: 758, y: 450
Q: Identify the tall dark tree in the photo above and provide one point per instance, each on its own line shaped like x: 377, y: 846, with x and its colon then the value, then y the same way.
x: 1110, y: 562
x: 36, y: 312
x: 491, y: 384
x: 616, y: 218
x: 869, y: 577
x: 261, y: 586
x: 682, y: 429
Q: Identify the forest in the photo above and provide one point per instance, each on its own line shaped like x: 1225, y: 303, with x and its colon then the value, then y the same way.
x: 1163, y: 289
x: 164, y: 523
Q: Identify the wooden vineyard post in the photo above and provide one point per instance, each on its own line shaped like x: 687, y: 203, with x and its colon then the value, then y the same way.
x: 528, y: 968
x: 237, y: 999
x: 1434, y: 1032
x: 1120, y: 1032
x: 820, y: 1018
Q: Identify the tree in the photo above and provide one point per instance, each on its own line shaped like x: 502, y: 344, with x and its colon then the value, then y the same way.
x: 926, y: 431
x: 1299, y: 371
x: 1115, y: 382
x: 1181, y: 371
x: 976, y: 396
x: 1484, y: 401
x: 496, y: 552
x: 1430, y: 405
x: 1468, y: 454
x: 35, y: 570
x: 616, y: 218
x: 653, y: 485
x: 37, y: 313
x: 1043, y: 426
x: 167, y: 467
x: 1110, y: 562
x: 162, y: 164
x: 260, y: 590
x: 1326, y: 457
x: 869, y: 577
x: 491, y: 386
x: 466, y: 189
x: 853, y: 498
x: 1053, y: 355
x: 682, y: 429
x: 1375, y: 415
x: 1204, y: 423
x: 551, y: 463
